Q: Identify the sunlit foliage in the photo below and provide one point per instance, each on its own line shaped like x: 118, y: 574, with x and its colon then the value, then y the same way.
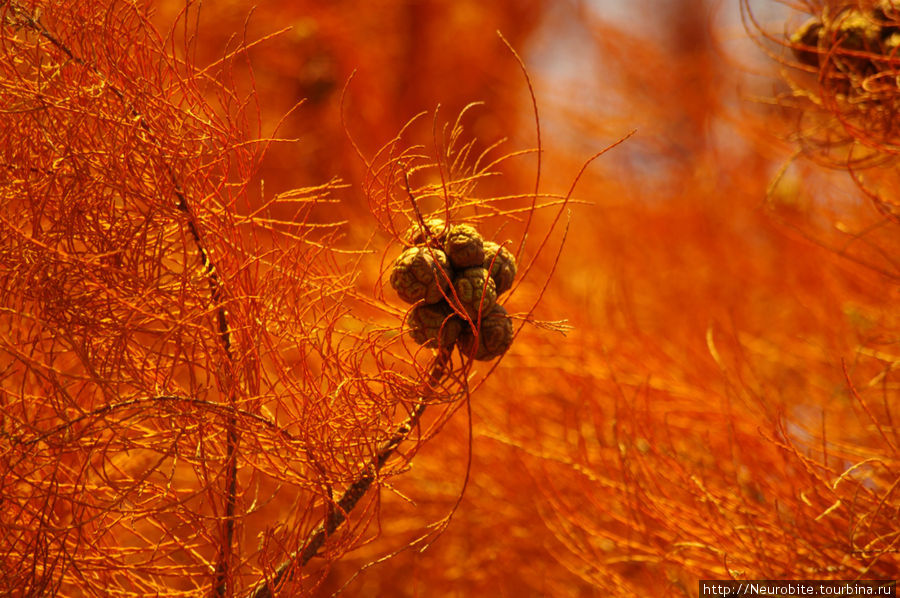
x: 206, y: 383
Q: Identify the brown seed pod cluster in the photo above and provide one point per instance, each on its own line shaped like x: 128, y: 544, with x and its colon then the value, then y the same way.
x: 849, y: 96
x: 852, y: 44
x: 454, y: 278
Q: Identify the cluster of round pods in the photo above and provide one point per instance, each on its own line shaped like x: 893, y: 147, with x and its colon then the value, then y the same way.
x: 453, y: 278
x: 852, y: 40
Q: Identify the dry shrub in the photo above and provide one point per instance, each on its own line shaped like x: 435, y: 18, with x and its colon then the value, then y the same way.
x: 726, y: 403
x: 196, y: 393
x: 723, y: 403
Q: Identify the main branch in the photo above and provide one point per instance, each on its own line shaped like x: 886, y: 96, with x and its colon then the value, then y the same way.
x: 348, y: 501
x: 216, y: 287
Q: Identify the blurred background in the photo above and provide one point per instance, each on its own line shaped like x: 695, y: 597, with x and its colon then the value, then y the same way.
x: 725, y: 403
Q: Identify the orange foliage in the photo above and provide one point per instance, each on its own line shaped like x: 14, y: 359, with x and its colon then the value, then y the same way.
x: 202, y: 373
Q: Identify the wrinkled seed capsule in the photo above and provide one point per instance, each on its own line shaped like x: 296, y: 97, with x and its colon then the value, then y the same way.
x: 891, y: 43
x: 807, y: 35
x: 501, y: 264
x: 494, y: 338
x: 434, y: 325
x: 464, y: 246
x: 856, y: 32
x: 887, y: 15
x: 434, y: 232
x: 416, y: 276
x: 475, y: 290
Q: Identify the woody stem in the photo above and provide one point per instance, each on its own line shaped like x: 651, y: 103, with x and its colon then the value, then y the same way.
x: 352, y: 495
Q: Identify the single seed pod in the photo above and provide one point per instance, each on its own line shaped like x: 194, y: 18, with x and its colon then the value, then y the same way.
x: 494, y: 337
x: 855, y: 32
x: 434, y: 325
x: 499, y: 261
x: 891, y: 43
x: 476, y: 291
x: 421, y: 274
x: 433, y: 233
x: 807, y: 35
x: 464, y: 246
x: 886, y: 14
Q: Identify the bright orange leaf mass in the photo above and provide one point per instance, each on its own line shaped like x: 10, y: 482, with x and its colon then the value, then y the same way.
x: 208, y: 386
